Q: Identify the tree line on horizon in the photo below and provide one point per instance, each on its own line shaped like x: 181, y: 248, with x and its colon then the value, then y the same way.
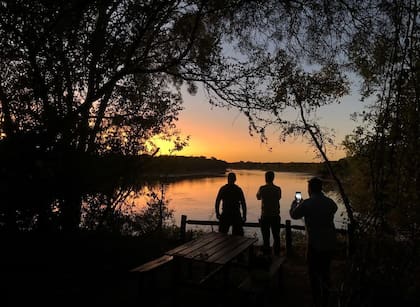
x: 178, y: 164
x: 309, y: 167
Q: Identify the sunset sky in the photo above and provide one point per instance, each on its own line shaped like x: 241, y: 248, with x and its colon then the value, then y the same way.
x: 223, y: 134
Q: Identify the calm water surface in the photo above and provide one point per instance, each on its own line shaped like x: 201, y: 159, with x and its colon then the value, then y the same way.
x: 196, y: 197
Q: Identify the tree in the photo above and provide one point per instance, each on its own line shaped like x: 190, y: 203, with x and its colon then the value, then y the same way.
x: 385, y: 144
x: 390, y: 68
x: 81, y: 79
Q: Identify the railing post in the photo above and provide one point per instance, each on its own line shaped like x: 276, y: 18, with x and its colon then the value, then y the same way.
x: 288, y: 237
x: 183, y: 227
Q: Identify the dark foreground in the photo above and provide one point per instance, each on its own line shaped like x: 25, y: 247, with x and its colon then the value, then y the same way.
x: 93, y: 270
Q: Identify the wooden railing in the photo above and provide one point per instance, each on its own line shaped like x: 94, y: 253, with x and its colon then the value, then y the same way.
x: 288, y: 229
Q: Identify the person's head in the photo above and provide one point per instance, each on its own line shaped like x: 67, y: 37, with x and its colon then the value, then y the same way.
x: 314, y: 185
x: 269, y: 177
x: 231, y: 178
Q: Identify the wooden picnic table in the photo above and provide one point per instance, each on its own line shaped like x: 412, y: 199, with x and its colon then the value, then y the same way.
x: 214, y: 248
x: 214, y: 251
x: 212, y: 261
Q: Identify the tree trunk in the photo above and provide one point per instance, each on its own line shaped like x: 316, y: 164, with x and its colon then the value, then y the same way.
x: 346, y: 202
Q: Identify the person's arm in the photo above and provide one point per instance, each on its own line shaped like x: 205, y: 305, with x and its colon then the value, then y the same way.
x: 259, y: 194
x: 217, y: 204
x: 243, y: 204
x: 297, y: 210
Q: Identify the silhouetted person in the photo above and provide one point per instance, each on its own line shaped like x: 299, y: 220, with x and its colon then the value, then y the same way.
x: 270, y: 195
x: 233, y: 199
x: 318, y: 212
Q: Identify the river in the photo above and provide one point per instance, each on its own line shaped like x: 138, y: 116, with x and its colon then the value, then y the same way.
x: 195, y: 197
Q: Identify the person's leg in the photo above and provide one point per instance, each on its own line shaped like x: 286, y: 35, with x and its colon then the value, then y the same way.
x: 314, y: 275
x: 275, y: 229
x: 237, y: 228
x: 265, y: 231
x: 325, y: 264
x: 224, y: 224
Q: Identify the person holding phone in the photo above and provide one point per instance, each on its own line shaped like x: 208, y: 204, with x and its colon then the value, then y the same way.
x: 298, y: 197
x: 270, y: 196
x: 318, y: 211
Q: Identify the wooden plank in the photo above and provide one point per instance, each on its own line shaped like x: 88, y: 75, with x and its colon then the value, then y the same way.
x: 297, y: 227
x: 235, y: 246
x: 225, y: 242
x: 228, y: 243
x: 148, y: 266
x: 229, y: 255
x: 214, y: 240
x: 199, y: 246
x: 216, y: 223
x: 213, y: 247
x: 203, y: 252
x: 199, y: 222
x: 251, y: 224
x: 193, y: 243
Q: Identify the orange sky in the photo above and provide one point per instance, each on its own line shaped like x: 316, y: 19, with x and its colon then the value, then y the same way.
x: 223, y: 134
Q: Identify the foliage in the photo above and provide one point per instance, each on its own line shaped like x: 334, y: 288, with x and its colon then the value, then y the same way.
x: 383, y: 159
x: 82, y: 78
x: 389, y: 137
x: 117, y: 213
x: 383, y: 149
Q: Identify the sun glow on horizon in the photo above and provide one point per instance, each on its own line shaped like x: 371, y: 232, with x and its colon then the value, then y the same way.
x: 243, y: 149
x: 234, y: 145
x: 223, y: 134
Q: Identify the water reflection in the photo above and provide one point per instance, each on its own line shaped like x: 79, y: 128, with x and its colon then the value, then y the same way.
x: 195, y: 197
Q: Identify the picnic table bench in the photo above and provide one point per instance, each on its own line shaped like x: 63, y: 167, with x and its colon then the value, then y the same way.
x: 153, y: 264
x: 214, y: 252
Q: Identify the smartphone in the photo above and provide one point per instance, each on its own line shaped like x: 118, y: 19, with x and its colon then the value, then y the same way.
x: 298, y: 196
